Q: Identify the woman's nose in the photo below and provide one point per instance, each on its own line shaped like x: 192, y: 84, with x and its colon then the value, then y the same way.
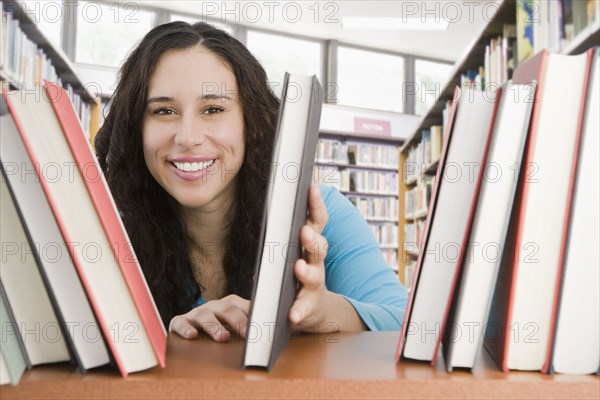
x: 191, y: 132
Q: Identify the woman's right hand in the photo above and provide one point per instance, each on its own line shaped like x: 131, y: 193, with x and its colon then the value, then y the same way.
x: 217, y: 318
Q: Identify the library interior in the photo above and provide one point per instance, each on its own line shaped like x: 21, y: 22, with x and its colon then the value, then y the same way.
x: 456, y: 148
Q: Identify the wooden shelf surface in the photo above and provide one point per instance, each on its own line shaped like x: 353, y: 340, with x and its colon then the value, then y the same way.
x: 335, y: 366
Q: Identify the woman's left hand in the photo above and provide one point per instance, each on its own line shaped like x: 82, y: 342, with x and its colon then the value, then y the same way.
x: 316, y: 309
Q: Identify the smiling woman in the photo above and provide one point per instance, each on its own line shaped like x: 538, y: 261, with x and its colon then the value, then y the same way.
x: 185, y: 149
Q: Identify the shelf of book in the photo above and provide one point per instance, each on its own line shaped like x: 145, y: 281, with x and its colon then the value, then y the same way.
x: 25, y: 46
x: 474, y: 58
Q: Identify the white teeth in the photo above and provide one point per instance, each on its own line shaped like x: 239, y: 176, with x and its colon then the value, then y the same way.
x: 192, y: 167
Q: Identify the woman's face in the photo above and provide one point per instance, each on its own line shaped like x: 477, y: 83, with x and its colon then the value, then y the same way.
x: 193, y: 129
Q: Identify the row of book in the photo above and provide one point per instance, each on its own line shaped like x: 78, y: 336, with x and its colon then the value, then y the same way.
x: 499, y: 62
x: 71, y: 285
x: 332, y: 151
x: 357, y: 181
x: 540, y: 24
x: 377, y: 208
x: 381, y: 213
x: 71, y: 288
x: 370, y: 182
x: 423, y: 155
x: 385, y: 233
x: 416, y: 199
x: 509, y: 259
x: 359, y: 154
x: 23, y: 63
x: 552, y: 24
x: 413, y: 236
x: 373, y: 155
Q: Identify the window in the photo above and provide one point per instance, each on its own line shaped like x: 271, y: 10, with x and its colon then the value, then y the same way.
x: 107, y: 32
x: 369, y: 79
x: 430, y: 79
x: 48, y: 16
x: 279, y: 54
x: 190, y: 19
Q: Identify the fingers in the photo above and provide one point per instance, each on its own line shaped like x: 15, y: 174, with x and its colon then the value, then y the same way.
x: 311, y: 277
x: 217, y: 318
x: 183, y: 327
x: 315, y: 245
x: 317, y: 212
x: 299, y: 310
x: 239, y: 302
x: 304, y: 311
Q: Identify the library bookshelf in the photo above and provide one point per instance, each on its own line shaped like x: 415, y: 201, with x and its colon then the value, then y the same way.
x: 358, y: 154
x: 472, y: 59
x: 29, y: 57
x: 365, y: 170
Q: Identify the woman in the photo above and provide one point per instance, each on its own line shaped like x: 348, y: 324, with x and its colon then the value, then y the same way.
x: 185, y: 149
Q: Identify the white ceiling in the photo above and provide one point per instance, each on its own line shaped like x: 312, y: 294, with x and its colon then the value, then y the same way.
x: 322, y: 19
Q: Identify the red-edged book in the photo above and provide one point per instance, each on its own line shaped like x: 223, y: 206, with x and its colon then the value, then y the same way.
x: 456, y: 198
x: 107, y: 211
x: 90, y: 225
x: 522, y: 317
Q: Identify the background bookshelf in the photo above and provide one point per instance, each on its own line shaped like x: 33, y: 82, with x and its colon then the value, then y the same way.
x: 473, y: 68
x: 366, y: 172
x: 358, y: 153
x: 27, y: 58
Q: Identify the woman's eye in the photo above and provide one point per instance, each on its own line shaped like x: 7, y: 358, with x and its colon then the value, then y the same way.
x: 163, y: 111
x: 213, y: 110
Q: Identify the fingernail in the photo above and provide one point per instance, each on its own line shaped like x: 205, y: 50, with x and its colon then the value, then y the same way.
x: 188, y: 333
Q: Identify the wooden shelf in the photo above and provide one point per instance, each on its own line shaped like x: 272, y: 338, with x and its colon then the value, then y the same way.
x: 365, y: 194
x: 334, y: 366
x: 354, y: 166
x: 362, y: 137
x: 431, y: 169
x: 587, y: 38
x: 381, y: 220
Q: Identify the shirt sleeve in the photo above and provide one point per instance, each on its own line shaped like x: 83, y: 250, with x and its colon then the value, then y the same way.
x: 355, y: 268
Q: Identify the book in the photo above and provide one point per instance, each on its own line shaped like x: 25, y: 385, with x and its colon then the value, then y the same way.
x: 436, y: 143
x: 57, y: 270
x: 526, y: 18
x: 412, y: 270
x: 12, y: 352
x: 443, y: 253
x: 36, y: 320
x: 468, y: 316
x: 577, y: 338
x: 98, y: 261
x: 107, y: 211
x: 285, y: 214
x: 522, y: 314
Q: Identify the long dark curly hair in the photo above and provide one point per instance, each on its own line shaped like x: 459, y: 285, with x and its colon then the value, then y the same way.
x: 150, y: 215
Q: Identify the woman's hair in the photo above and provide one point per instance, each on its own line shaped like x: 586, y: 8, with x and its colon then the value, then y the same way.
x: 150, y: 215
